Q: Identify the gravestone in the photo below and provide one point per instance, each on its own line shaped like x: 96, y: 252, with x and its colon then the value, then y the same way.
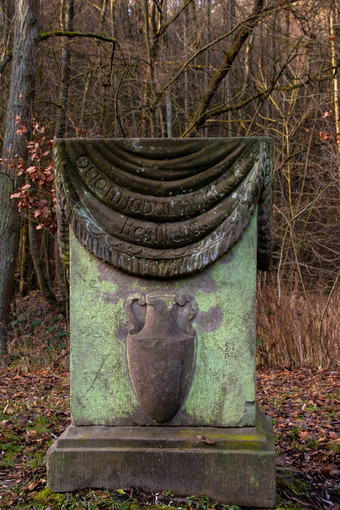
x: 165, y: 237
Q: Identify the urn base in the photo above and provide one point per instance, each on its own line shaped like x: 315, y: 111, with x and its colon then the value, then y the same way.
x: 231, y: 465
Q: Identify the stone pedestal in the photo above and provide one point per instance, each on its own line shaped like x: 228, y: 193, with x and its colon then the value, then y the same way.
x: 232, y: 465
x: 165, y: 240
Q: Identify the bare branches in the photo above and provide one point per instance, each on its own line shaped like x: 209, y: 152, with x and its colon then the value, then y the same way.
x: 241, y: 31
x: 240, y: 37
x: 60, y: 33
x: 7, y: 58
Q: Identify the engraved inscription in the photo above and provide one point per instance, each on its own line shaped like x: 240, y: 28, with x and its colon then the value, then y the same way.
x: 162, y: 233
x: 172, y: 207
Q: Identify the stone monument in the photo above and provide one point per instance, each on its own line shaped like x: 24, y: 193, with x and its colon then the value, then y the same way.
x: 164, y: 240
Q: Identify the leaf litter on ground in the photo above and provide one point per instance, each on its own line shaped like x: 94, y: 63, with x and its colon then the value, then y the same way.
x: 35, y: 410
x: 304, y: 405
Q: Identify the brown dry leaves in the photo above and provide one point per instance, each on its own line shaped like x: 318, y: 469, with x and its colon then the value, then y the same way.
x: 305, y: 407
x: 34, y: 410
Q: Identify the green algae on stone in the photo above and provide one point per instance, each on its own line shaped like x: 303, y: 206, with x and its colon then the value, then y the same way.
x: 100, y: 385
x: 222, y: 392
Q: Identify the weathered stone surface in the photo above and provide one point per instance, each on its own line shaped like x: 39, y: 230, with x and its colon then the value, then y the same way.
x: 234, y: 466
x: 161, y: 350
x: 222, y: 389
x: 162, y: 340
x: 164, y: 208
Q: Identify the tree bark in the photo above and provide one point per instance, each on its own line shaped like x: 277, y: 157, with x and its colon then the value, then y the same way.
x: 67, y: 22
x: 149, y: 27
x: 186, y: 77
x: 26, y: 36
x: 66, y: 70
x: 38, y: 266
x: 22, y: 258
x: 198, y: 118
x: 229, y: 83
x: 334, y: 32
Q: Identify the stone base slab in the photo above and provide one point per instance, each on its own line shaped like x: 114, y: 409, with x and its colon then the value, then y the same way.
x: 231, y: 465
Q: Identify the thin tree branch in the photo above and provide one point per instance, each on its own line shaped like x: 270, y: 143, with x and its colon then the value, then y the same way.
x: 7, y: 58
x: 265, y: 92
x: 164, y: 27
x: 61, y: 33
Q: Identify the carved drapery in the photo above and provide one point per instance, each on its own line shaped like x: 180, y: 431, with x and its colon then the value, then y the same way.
x: 164, y: 208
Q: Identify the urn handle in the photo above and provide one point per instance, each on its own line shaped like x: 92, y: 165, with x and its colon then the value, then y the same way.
x: 135, y: 307
x: 186, y: 311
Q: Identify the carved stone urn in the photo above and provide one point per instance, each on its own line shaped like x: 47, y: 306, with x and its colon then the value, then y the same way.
x: 161, y: 350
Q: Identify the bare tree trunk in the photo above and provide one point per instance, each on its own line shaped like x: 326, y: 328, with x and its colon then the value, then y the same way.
x: 149, y: 21
x: 208, y: 52
x: 66, y: 70
x: 26, y: 36
x: 248, y: 64
x: 240, y: 37
x: 38, y: 265
x: 67, y: 18
x: 186, y: 42
x: 231, y: 11
x: 103, y: 11
x: 23, y: 257
x: 60, y: 273
x: 168, y: 113
x: 168, y: 99
x: 334, y: 34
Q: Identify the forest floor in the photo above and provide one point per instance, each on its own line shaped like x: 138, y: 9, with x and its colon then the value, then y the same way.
x: 34, y: 410
x: 304, y: 405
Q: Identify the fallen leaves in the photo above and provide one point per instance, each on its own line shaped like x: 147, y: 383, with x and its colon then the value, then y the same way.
x: 204, y: 439
x: 26, y: 430
x: 304, y: 405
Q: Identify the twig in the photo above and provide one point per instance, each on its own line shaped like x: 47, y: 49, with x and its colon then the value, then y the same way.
x: 7, y: 58
x: 323, y: 316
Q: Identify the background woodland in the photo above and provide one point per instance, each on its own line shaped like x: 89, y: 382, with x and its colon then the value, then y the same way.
x: 180, y: 68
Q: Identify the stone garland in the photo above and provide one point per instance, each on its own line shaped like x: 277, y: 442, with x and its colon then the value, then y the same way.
x: 161, y: 214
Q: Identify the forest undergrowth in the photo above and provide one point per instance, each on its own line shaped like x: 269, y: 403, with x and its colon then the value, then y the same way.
x: 297, y: 329
x: 302, y: 399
